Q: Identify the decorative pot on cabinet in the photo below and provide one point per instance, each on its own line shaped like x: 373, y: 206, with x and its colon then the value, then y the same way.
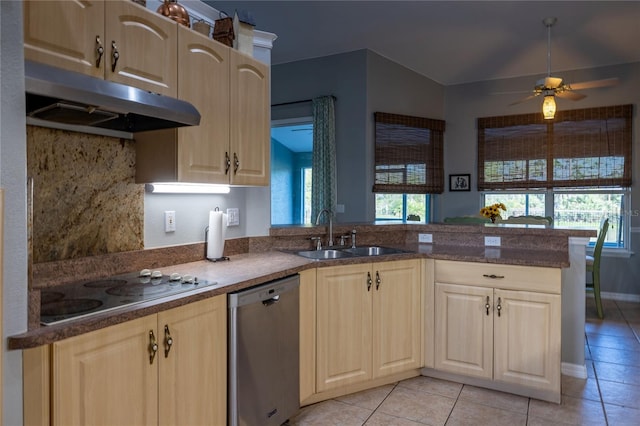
x: 173, y: 10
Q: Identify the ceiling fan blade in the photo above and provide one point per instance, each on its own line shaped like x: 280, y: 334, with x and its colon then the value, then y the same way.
x: 570, y: 94
x: 552, y: 82
x: 514, y: 92
x: 524, y: 99
x: 593, y: 84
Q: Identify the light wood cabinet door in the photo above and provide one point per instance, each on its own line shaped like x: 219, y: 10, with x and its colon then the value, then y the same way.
x: 307, y: 334
x: 397, y: 317
x: 343, y: 326
x: 464, y: 330
x: 63, y: 34
x: 193, y: 370
x: 204, y: 82
x: 527, y: 339
x: 105, y: 377
x: 146, y: 43
x: 250, y: 147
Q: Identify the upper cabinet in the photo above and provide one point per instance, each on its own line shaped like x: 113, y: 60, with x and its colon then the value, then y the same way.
x: 250, y: 120
x: 197, y: 153
x: 124, y: 42
x: 232, y: 143
x: 117, y: 40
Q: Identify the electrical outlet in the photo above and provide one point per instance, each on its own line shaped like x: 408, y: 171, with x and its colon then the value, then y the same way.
x: 169, y: 221
x: 492, y: 241
x: 425, y: 238
x: 492, y: 253
x: 233, y: 217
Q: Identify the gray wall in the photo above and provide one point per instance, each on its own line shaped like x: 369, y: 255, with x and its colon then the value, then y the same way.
x: 13, y: 146
x: 343, y: 76
x: 192, y: 216
x: 395, y: 89
x: 363, y: 82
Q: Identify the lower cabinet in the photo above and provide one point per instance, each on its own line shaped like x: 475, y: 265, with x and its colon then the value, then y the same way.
x: 168, y: 368
x: 500, y: 323
x: 369, y: 320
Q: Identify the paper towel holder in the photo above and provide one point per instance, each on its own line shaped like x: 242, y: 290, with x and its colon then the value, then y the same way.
x: 206, y: 243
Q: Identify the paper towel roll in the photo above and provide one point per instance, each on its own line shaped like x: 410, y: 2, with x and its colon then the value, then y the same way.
x: 217, y: 232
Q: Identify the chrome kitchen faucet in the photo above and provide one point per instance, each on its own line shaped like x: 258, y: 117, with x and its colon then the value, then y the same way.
x: 330, y: 214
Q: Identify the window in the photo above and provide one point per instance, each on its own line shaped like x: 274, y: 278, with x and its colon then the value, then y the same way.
x: 306, y: 194
x: 573, y: 208
x: 409, y: 165
x: 412, y: 207
x: 579, y: 148
x: 291, y: 162
x: 575, y: 168
x: 408, y: 154
x: 519, y: 204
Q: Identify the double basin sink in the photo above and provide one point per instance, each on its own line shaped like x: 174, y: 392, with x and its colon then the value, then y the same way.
x: 341, y: 253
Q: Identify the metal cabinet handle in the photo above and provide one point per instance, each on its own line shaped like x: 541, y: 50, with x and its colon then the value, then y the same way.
x: 168, y: 341
x: 99, y: 51
x: 378, y: 280
x: 493, y: 276
x: 487, y: 306
x: 236, y: 163
x: 115, y: 55
x: 369, y: 281
x: 227, y: 161
x: 153, y: 346
x: 499, y: 306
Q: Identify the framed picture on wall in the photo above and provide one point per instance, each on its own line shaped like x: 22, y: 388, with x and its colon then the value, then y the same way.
x: 460, y: 182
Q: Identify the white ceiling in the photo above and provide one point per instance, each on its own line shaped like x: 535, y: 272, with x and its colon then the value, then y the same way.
x: 453, y: 42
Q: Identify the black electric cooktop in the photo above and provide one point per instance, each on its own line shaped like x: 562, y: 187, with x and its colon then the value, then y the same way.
x: 84, y: 298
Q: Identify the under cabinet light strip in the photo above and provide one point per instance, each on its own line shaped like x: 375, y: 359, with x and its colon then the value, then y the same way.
x: 186, y: 188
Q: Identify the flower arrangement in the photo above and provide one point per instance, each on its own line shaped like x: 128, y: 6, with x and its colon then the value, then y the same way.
x: 493, y: 211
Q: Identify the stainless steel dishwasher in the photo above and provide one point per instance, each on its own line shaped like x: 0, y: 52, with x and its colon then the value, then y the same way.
x: 264, y: 374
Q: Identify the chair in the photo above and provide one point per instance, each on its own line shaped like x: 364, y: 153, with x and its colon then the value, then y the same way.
x: 529, y: 220
x: 466, y: 219
x: 593, y: 266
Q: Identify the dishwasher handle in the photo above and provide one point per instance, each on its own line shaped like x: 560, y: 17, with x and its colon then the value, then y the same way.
x: 271, y: 301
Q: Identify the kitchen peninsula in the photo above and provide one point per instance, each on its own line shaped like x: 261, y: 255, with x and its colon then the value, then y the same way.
x: 256, y: 260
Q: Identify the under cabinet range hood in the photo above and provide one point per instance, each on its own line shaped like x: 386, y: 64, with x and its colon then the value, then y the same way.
x: 72, y: 101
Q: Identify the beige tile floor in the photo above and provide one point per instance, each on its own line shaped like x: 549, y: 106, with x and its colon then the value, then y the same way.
x: 609, y: 396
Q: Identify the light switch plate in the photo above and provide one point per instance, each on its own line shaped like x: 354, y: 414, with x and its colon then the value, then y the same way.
x: 233, y: 217
x: 492, y: 241
x: 169, y: 221
x: 425, y: 238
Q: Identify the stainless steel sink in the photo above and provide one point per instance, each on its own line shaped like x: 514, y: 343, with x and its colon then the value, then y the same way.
x: 373, y: 251
x: 348, y: 252
x: 324, y: 254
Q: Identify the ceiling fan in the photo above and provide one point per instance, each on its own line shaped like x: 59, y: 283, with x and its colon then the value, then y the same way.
x: 550, y: 86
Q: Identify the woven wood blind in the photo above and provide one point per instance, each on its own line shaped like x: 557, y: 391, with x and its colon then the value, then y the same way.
x: 408, y: 154
x: 578, y: 148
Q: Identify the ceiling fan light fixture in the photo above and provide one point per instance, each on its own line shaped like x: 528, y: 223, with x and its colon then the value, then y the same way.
x: 549, y: 107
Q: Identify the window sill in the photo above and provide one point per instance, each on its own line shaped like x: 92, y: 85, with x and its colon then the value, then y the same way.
x: 612, y: 252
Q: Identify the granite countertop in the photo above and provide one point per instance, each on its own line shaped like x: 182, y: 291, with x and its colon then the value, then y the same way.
x: 250, y: 269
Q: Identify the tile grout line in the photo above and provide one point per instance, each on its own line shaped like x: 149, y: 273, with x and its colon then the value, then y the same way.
x: 595, y: 372
x: 381, y: 402
x: 595, y: 376
x: 455, y: 403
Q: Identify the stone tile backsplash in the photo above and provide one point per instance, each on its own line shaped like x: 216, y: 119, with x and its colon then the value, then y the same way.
x: 85, y: 199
